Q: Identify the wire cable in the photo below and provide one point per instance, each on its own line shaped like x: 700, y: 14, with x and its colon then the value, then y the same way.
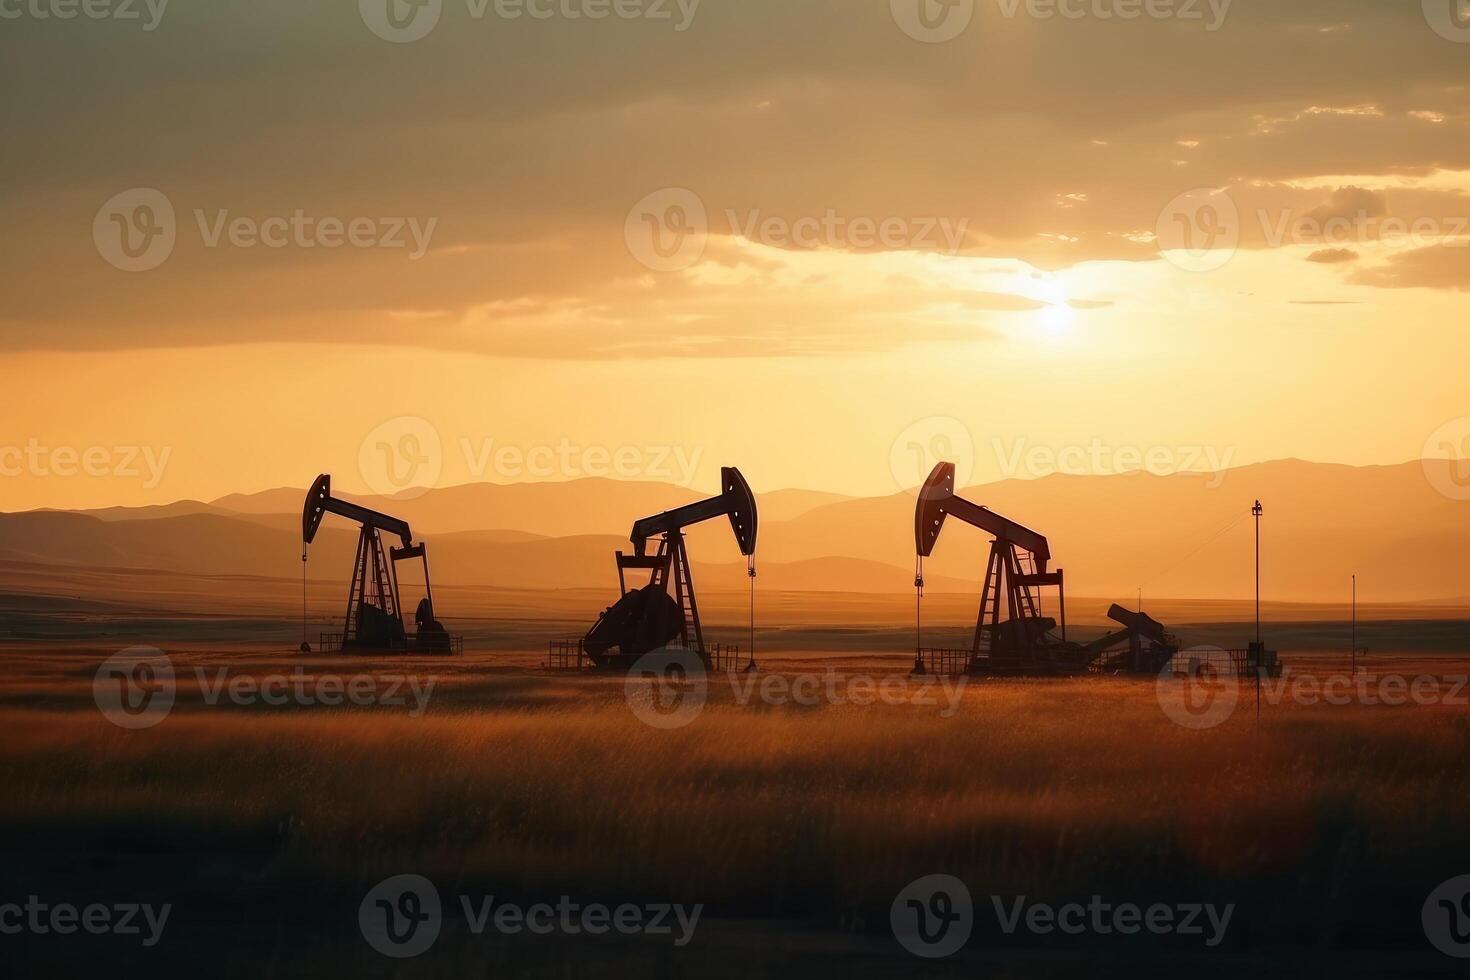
x: 1229, y: 526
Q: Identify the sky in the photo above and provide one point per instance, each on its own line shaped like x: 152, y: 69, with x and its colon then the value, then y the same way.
x: 827, y: 241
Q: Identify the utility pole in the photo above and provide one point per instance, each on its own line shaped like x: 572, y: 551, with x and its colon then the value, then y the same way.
x: 1256, y: 512
x: 1258, y: 649
x: 1355, y: 625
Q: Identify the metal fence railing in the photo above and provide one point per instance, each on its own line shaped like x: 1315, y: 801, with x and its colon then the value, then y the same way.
x: 724, y: 656
x: 566, y: 655
x: 943, y: 662
x: 1224, y: 663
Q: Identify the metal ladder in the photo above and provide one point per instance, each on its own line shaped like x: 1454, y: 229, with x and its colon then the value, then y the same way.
x: 1030, y: 594
x: 687, y: 608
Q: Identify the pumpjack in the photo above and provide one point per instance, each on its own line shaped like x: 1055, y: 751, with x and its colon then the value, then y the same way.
x: 1150, y: 645
x: 665, y: 610
x: 1015, y: 573
x: 1012, y: 636
x: 374, y: 621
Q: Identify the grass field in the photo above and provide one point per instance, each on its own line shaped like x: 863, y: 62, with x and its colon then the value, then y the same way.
x: 794, y: 825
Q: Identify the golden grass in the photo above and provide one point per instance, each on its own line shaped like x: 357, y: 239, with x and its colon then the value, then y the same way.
x: 539, y: 785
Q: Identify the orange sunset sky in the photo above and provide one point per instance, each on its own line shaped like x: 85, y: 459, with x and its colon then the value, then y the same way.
x: 1034, y: 174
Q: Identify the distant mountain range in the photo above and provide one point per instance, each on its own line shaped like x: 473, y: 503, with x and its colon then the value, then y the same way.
x: 1179, y: 536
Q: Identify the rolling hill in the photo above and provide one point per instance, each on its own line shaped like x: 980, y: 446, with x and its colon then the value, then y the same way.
x: 1181, y: 536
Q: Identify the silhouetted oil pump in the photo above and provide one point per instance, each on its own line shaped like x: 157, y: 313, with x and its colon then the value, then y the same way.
x: 665, y: 610
x: 1011, y: 634
x: 1010, y: 630
x: 374, y: 620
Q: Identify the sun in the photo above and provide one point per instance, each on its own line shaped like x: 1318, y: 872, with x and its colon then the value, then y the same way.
x: 1056, y: 321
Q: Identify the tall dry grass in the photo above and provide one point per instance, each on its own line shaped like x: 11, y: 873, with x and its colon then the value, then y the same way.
x: 1321, y: 821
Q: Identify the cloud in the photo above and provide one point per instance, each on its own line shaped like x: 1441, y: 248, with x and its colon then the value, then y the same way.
x: 1332, y: 256
x: 530, y: 140
x: 1433, y: 267
x: 1350, y: 204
